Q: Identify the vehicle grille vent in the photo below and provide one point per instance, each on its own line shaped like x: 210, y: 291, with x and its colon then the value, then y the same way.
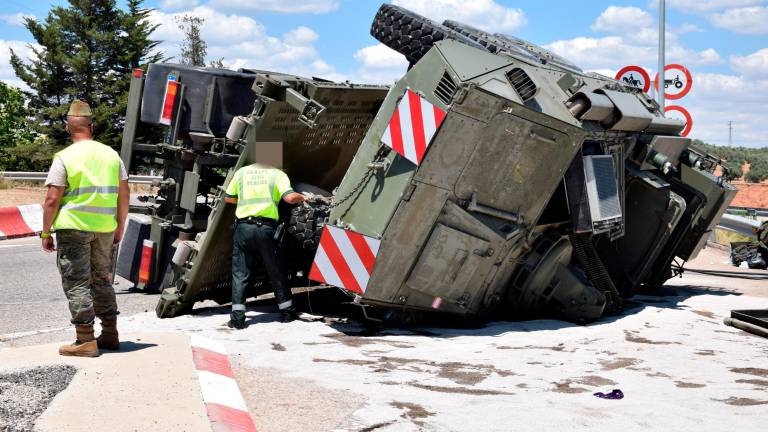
x: 446, y: 88
x: 522, y: 83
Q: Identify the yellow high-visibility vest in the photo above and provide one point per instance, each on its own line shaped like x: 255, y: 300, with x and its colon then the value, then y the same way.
x: 258, y: 190
x: 93, y: 180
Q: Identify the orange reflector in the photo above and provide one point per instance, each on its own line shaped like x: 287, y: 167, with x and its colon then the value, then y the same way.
x: 137, y: 73
x: 169, y: 102
x: 145, y: 265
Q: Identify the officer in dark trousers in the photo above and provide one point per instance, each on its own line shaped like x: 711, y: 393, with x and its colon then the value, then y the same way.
x: 257, y: 189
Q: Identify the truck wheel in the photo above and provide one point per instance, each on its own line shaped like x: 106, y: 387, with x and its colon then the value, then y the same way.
x: 306, y: 222
x: 411, y: 34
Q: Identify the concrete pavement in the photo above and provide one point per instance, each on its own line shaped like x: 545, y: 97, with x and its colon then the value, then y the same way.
x: 149, y: 385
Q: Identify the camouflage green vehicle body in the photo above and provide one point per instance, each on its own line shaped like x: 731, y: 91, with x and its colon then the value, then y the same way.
x: 543, y: 191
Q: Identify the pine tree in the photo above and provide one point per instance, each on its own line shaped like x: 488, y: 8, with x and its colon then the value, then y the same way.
x: 88, y: 52
x: 193, y: 48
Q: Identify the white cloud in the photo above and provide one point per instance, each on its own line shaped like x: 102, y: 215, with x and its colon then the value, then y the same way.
x: 485, y: 14
x: 754, y: 65
x: 178, y: 4
x: 16, y: 19
x: 750, y: 20
x: 379, y: 64
x: 301, y: 36
x: 282, y: 6
x: 702, y: 6
x: 245, y: 43
x: 619, y: 20
x: 717, y: 98
x: 23, y: 50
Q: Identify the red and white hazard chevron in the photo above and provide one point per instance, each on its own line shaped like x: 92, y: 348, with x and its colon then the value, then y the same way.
x: 412, y: 126
x: 344, y: 259
x: 21, y: 221
x: 223, y: 401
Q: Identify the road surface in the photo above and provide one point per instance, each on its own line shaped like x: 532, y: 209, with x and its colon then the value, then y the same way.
x: 33, y: 308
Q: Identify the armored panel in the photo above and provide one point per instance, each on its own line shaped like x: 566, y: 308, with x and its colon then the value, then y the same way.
x: 719, y: 196
x: 448, y: 263
x: 319, y: 155
x: 220, y: 93
x: 518, y: 162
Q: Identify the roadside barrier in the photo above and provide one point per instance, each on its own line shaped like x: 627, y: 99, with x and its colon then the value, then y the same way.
x: 20, y: 221
x: 223, y: 401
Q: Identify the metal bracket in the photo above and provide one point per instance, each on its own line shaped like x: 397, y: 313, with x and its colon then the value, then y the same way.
x: 309, y: 109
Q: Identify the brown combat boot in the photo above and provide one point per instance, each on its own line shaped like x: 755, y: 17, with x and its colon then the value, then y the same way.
x: 108, y: 339
x: 84, y: 346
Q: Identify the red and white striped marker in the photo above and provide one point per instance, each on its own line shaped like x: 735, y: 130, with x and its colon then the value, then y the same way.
x: 344, y: 259
x: 223, y: 401
x: 21, y: 221
x: 412, y: 126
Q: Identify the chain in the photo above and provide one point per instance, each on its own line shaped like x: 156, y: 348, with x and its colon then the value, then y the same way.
x: 354, y: 191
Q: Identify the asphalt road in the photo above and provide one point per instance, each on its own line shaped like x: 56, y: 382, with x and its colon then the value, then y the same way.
x: 33, y: 308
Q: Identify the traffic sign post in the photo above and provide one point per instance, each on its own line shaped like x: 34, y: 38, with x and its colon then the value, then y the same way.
x: 635, y: 76
x: 677, y: 81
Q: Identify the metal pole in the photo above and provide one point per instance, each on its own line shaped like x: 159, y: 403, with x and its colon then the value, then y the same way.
x: 662, y: 62
x: 730, y: 133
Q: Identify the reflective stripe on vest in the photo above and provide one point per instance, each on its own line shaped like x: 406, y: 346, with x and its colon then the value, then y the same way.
x: 93, y: 177
x: 255, y: 196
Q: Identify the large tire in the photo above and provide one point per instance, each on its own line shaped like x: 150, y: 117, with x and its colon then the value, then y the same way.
x: 306, y: 221
x: 411, y: 34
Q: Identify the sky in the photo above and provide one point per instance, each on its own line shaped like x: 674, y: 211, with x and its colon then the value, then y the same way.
x: 724, y: 43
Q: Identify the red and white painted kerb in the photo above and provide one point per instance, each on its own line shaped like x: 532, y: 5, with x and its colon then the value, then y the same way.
x: 344, y: 259
x: 412, y: 126
x: 21, y: 221
x: 223, y: 401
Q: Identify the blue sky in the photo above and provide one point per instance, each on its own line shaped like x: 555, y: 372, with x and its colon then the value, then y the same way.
x: 723, y: 42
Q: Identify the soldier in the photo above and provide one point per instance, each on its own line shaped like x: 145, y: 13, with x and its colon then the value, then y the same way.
x: 86, y: 204
x: 257, y: 189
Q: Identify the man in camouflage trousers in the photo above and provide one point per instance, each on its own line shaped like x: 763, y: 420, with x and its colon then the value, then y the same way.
x: 86, y: 204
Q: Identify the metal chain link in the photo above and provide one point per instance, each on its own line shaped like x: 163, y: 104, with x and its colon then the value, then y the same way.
x: 354, y: 191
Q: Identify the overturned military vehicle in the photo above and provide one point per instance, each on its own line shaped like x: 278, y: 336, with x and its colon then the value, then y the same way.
x: 495, y: 179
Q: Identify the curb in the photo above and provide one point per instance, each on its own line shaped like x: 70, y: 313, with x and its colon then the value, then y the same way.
x: 21, y: 221
x: 221, y: 394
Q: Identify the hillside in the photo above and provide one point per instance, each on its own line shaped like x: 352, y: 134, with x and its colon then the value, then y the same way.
x: 756, y: 158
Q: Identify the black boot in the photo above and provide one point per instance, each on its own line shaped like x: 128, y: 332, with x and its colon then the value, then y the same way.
x: 288, y: 314
x: 236, y: 324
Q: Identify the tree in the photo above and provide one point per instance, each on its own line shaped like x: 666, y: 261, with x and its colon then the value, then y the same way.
x: 758, y: 170
x: 193, y: 48
x: 14, y: 128
x: 88, y: 50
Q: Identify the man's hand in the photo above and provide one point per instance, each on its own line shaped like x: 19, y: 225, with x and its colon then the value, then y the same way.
x: 118, y: 235
x: 294, y: 198
x: 48, y: 244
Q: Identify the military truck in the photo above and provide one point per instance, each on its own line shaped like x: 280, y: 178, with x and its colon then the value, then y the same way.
x: 494, y: 179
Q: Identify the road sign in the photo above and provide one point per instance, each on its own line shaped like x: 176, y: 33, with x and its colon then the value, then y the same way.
x: 686, y: 117
x: 634, y: 76
x: 677, y: 81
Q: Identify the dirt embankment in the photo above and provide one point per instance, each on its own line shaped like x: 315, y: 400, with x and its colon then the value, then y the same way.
x: 751, y: 195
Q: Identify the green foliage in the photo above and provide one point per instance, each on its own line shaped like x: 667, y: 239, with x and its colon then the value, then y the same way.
x: 30, y: 156
x: 736, y: 156
x: 88, y: 52
x: 193, y: 47
x: 14, y: 128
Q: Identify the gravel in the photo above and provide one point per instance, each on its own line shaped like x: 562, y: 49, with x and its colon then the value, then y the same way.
x: 26, y: 393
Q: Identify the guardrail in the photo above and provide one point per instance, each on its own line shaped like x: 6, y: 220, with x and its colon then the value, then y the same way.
x: 740, y: 225
x: 38, y: 176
